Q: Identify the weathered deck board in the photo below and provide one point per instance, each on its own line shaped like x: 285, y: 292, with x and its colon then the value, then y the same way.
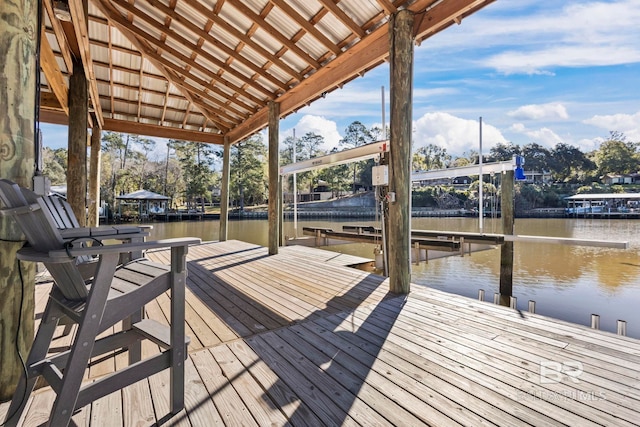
x: 289, y: 340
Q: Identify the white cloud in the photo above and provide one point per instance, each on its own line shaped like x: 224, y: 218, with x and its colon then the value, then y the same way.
x: 629, y: 124
x: 456, y: 134
x: 540, y: 111
x: 543, y: 136
x: 318, y: 125
x: 535, y: 37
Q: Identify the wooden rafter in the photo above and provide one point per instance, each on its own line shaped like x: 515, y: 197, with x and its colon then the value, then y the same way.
x: 243, y: 38
x: 307, y: 26
x: 447, y: 13
x: 370, y: 51
x: 343, y: 17
x: 388, y: 7
x: 237, y: 4
x: 115, y: 17
x: 193, y: 48
x: 205, y: 36
x: 110, y: 70
x: 58, y: 31
x: 51, y: 70
x: 166, y: 104
x: 80, y: 26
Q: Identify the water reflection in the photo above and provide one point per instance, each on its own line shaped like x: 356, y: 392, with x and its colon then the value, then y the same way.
x: 567, y: 282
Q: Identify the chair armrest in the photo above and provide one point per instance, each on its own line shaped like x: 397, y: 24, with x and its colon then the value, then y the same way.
x: 104, y: 232
x: 124, y: 248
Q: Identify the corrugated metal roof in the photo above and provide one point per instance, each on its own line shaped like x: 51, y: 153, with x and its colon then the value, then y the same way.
x: 222, y: 62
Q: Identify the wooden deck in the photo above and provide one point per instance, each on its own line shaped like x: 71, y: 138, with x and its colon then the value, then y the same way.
x: 290, y: 339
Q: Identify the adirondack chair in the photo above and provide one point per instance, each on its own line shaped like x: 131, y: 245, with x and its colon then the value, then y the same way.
x: 112, y: 295
x: 69, y: 227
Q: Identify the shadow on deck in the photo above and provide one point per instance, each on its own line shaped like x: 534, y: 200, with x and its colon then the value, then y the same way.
x: 282, y: 340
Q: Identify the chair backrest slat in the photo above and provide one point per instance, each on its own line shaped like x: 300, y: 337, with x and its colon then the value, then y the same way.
x: 42, y: 234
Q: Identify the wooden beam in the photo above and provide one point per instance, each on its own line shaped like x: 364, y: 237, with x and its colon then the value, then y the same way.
x: 343, y: 17
x: 59, y: 34
x: 162, y: 131
x: 194, y: 48
x: 114, y: 16
x: 444, y: 14
x: 217, y: 44
x: 243, y: 37
x: 245, y: 10
x: 52, y: 72
x: 48, y: 100
x: 388, y: 7
x: 369, y: 52
x: 133, y: 34
x: 78, y: 9
x: 507, y: 208
x: 94, y: 178
x: 274, y: 177
x: 401, y: 74
x: 224, y: 193
x: 307, y: 26
x: 77, y: 145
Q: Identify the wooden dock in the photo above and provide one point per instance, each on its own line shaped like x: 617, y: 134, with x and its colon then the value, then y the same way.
x: 292, y: 340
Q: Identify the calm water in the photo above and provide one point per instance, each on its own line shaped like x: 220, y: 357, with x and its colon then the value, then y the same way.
x: 567, y: 282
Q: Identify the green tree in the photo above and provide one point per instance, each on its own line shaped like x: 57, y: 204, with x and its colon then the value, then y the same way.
x: 196, y: 160
x: 248, y: 178
x: 502, y: 152
x: 617, y: 155
x: 356, y: 135
x: 54, y: 165
x: 431, y: 157
x: 569, y: 164
x: 537, y: 158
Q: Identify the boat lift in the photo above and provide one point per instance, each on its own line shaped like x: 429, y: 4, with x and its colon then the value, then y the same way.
x: 376, y: 149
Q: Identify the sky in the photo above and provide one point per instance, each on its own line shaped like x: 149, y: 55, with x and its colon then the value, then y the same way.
x: 535, y: 71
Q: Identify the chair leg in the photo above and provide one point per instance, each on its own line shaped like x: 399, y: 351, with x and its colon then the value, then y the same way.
x: 82, y: 347
x: 135, y: 350
x: 178, y: 347
x: 38, y: 352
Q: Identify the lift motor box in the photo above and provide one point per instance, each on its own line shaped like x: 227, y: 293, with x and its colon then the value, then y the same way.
x: 380, y: 175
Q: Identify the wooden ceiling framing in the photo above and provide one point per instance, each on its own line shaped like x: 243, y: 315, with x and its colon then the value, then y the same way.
x: 203, y: 70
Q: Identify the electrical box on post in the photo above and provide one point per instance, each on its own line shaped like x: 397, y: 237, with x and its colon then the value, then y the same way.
x: 380, y: 175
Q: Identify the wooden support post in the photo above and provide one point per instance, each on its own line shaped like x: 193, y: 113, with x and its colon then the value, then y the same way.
x: 506, y: 250
x: 18, y: 40
x: 224, y: 193
x: 401, y: 72
x: 274, y: 178
x: 77, y: 144
x: 94, y: 177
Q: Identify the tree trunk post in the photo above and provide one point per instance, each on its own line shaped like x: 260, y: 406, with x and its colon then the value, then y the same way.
x: 94, y: 177
x: 77, y: 143
x: 401, y: 72
x: 274, y: 177
x: 223, y: 235
x: 18, y: 41
x: 506, y: 250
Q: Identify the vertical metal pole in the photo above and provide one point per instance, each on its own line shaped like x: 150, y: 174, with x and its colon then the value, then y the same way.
x: 532, y: 306
x: 595, y: 321
x: 223, y: 234
x: 481, y: 294
x: 480, y: 186
x: 295, y: 189
x: 622, y: 328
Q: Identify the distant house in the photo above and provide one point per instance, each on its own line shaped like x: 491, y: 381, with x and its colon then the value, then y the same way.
x: 543, y: 177
x: 614, y: 178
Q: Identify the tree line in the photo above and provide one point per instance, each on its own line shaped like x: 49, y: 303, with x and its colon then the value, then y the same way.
x: 189, y: 173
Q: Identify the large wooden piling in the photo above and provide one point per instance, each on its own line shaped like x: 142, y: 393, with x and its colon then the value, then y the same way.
x: 274, y: 178
x: 401, y: 60
x: 506, y: 250
x: 224, y: 192
x: 94, y: 177
x: 18, y: 41
x: 77, y: 148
